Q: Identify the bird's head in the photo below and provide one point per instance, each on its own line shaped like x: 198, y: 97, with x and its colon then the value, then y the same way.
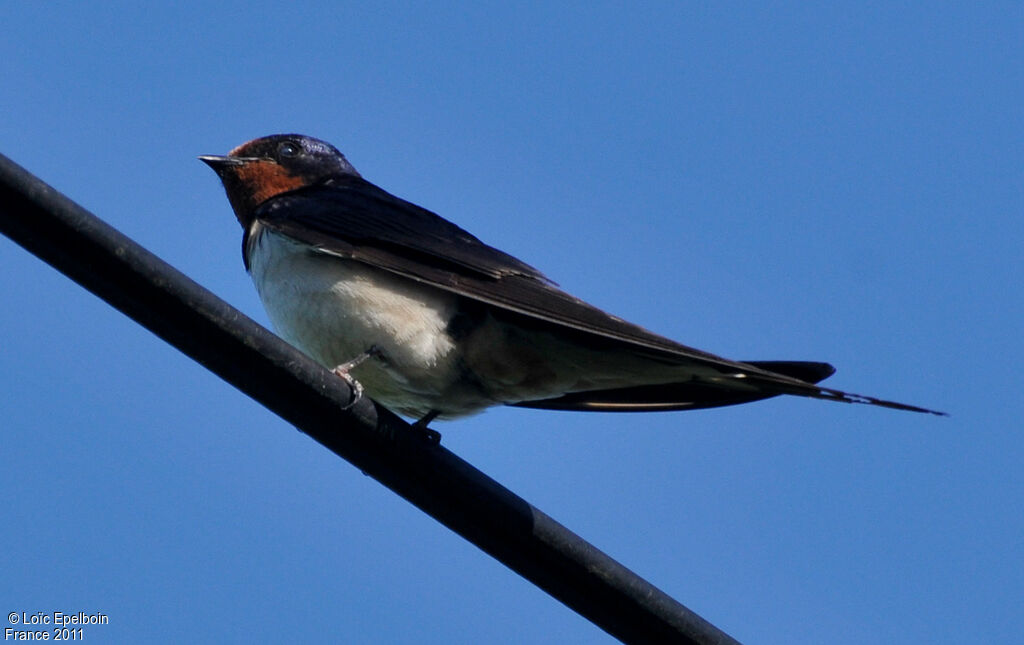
x: 266, y: 167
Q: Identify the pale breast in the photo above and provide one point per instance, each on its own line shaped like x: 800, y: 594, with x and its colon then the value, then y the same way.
x: 335, y: 309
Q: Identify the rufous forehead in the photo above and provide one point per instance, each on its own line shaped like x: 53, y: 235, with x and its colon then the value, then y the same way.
x: 264, y: 179
x: 241, y: 151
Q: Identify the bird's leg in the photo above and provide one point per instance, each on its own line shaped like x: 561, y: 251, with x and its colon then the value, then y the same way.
x: 346, y: 367
x: 433, y: 436
x: 343, y: 370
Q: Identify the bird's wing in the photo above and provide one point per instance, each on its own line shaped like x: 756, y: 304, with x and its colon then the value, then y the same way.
x: 353, y: 219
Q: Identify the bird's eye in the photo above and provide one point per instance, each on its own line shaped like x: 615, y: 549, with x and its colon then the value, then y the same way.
x: 288, y: 149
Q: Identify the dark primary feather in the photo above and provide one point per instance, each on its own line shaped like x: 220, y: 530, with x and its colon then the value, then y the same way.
x: 352, y: 218
x: 689, y: 395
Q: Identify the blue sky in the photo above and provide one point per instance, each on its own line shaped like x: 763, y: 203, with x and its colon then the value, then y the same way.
x: 835, y: 182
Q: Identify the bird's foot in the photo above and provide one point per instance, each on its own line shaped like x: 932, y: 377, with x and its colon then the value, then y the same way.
x: 431, y: 436
x: 345, y: 368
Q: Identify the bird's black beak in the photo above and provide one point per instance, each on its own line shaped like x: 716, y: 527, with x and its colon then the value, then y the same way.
x: 215, y: 161
x: 219, y: 163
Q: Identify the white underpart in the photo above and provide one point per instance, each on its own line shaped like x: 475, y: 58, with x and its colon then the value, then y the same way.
x: 335, y: 309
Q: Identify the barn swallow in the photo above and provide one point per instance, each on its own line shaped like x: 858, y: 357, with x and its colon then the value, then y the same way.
x: 434, y: 323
